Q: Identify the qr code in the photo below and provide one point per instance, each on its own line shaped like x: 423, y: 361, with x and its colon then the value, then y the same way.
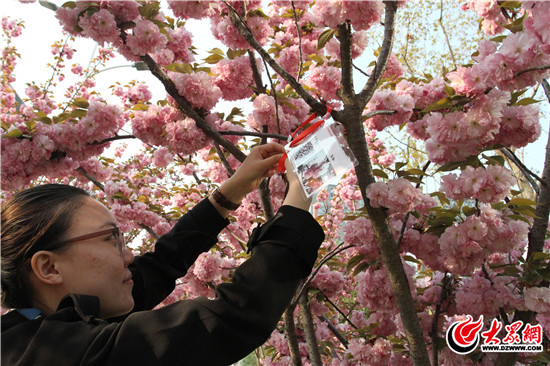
x: 304, y: 150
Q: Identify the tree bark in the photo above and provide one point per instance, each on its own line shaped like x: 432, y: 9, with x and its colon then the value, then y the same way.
x: 536, y: 236
x: 309, y: 330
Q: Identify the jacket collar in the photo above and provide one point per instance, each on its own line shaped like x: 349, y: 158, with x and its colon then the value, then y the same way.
x: 86, y: 306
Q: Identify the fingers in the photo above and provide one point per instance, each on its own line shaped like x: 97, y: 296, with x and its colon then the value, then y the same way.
x: 270, y: 149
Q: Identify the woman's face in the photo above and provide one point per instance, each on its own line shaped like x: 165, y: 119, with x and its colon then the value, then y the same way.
x: 95, y: 266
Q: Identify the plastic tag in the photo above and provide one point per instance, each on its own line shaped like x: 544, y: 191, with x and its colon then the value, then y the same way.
x: 321, y: 157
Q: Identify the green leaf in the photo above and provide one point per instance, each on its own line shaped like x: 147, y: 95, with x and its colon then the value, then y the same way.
x: 360, y: 268
x: 13, y: 134
x: 449, y: 90
x: 232, y: 54
x: 526, y: 101
x: 469, y: 211
x: 213, y: 59
x: 510, y: 4
x: 399, y: 165
x: 149, y: 11
x: 324, y: 38
x: 519, y: 217
x: 498, y: 39
x: 78, y: 113
x: 354, y: 261
x: 450, y: 166
x: 440, y: 104
x: 216, y: 51
x: 441, y: 196
x: 413, y: 179
x: 410, y: 258
x: 140, y: 107
x: 544, y: 273
x: 69, y: 4
x: 495, y: 160
x: 379, y: 173
x: 521, y: 202
x: 80, y: 103
x: 181, y: 68
x: 415, y: 171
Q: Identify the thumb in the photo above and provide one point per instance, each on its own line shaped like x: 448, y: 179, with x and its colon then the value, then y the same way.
x: 272, y: 160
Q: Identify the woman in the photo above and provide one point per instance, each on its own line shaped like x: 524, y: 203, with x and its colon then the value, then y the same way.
x: 81, y: 298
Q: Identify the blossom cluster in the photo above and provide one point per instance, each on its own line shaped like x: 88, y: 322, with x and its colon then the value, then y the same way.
x: 466, y: 245
x: 489, y: 185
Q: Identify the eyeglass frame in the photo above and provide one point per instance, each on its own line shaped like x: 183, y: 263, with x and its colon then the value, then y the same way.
x: 119, y: 235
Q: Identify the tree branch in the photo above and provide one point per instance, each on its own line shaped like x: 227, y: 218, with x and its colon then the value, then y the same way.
x: 291, y: 337
x: 256, y: 134
x: 299, y: 41
x: 337, y: 250
x: 186, y: 108
x: 334, y: 331
x: 114, y: 138
x: 536, y: 236
x: 224, y: 161
x: 538, y: 68
x: 346, y: 92
x: 445, y: 33
x: 524, y: 170
x: 315, y: 105
x: 380, y: 67
x: 309, y: 331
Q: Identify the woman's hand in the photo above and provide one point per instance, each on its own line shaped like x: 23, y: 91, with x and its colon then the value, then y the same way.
x: 261, y: 163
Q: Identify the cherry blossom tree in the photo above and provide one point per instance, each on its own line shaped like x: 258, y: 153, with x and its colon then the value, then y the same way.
x: 400, y: 262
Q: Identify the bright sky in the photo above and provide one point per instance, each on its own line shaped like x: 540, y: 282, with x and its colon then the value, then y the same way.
x: 42, y: 30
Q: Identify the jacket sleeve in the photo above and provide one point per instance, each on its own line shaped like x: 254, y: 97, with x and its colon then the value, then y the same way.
x: 154, y: 274
x: 223, y: 330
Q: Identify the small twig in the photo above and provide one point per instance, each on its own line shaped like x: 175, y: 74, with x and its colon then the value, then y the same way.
x: 275, y: 98
x: 91, y: 178
x: 337, y: 250
x: 407, y: 48
x: 56, y: 65
x: 404, y: 226
x: 114, y: 138
x: 256, y: 134
x: 334, y: 331
x: 299, y: 41
x: 238, y: 22
x: 526, y: 172
x: 380, y: 112
x: 339, y: 311
x: 260, y: 87
x: 358, y: 69
x: 225, y: 163
x: 241, y: 242
x: 538, y: 68
x: 197, y: 179
x: 445, y: 33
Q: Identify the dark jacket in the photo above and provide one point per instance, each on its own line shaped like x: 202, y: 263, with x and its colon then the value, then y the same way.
x: 190, y: 332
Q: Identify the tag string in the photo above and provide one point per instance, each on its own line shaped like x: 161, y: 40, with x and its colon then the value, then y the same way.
x: 308, y: 131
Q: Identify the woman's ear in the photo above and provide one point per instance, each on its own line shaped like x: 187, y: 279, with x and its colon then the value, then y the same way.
x: 45, y: 268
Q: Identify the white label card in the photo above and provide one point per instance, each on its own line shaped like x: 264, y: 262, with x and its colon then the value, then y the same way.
x: 321, y: 158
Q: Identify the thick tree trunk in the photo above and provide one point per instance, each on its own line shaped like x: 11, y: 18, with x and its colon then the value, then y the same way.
x: 388, y: 247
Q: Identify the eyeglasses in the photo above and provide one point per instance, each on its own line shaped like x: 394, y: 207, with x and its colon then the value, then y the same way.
x: 115, y: 231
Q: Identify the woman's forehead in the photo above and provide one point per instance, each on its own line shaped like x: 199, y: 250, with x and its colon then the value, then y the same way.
x: 91, y: 215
